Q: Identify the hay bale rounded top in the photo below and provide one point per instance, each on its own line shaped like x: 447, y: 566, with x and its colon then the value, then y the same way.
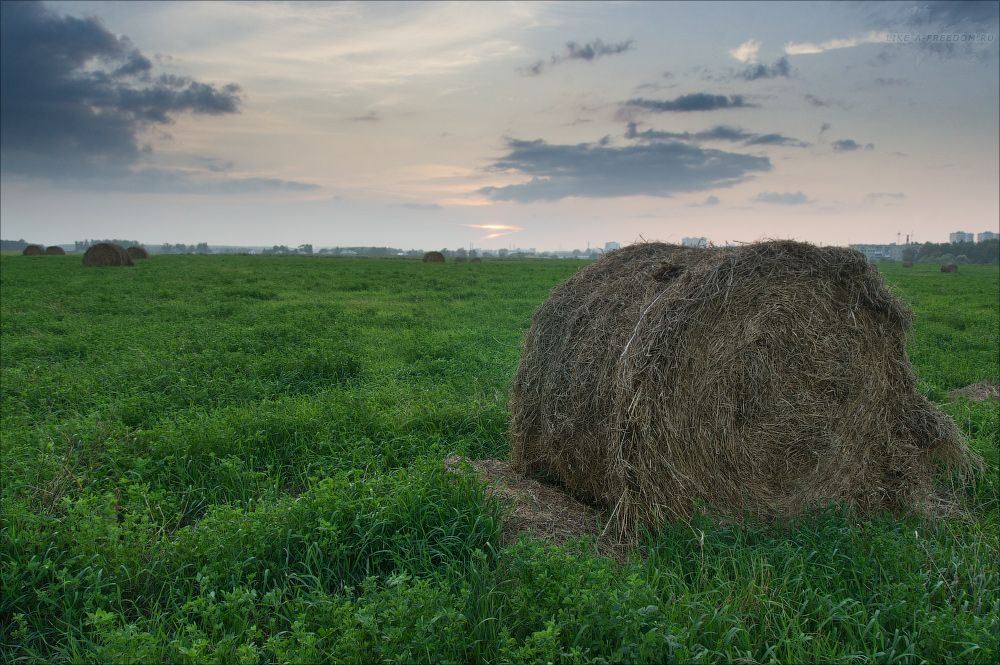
x: 949, y: 267
x: 33, y: 250
x: 764, y: 379
x: 433, y: 257
x: 55, y: 250
x: 105, y: 254
x: 136, y: 252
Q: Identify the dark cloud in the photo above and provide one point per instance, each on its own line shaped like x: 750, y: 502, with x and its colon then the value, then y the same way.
x: 781, y: 68
x: 849, y: 145
x: 698, y: 101
x: 717, y: 133
x: 371, y: 116
x: 74, y: 97
x: 825, y: 102
x: 782, y: 198
x: 599, y: 170
x: 573, y: 51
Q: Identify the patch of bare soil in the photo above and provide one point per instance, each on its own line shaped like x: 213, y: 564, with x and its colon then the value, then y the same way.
x: 539, y: 509
x: 978, y: 392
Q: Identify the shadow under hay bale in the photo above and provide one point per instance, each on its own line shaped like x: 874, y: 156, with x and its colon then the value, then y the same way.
x: 105, y: 254
x: 433, y: 257
x: 55, y: 250
x: 33, y: 250
x: 766, y: 379
x: 137, y: 252
x: 949, y: 267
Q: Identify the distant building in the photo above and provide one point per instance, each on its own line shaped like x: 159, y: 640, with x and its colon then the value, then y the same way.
x: 891, y: 252
x: 961, y: 236
x: 695, y: 242
x: 608, y: 246
x: 987, y: 235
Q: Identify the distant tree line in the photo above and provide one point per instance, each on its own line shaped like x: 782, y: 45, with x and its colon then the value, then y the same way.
x: 12, y: 245
x: 986, y: 252
x: 181, y: 248
x: 82, y: 245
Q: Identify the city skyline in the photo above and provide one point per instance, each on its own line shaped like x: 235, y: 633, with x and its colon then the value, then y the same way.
x: 525, y: 124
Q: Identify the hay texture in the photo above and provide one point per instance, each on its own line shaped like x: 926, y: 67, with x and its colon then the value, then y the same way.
x: 105, y: 254
x: 433, y: 257
x: 949, y: 267
x: 765, y: 379
x: 137, y: 253
x: 55, y: 250
x: 33, y: 250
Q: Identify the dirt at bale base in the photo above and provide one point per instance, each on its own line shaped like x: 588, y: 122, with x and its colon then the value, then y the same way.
x: 978, y: 392
x: 541, y: 510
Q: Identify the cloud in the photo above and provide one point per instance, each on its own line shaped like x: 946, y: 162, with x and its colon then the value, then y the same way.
x: 849, y: 145
x: 747, y: 51
x: 882, y: 196
x: 587, y: 52
x: 823, y: 102
x: 418, y: 206
x: 717, y: 133
x: 812, y: 48
x: 75, y: 98
x: 779, y: 69
x: 371, y: 116
x: 782, y: 198
x: 189, y: 181
x: 598, y: 170
x: 889, y: 81
x: 698, y: 101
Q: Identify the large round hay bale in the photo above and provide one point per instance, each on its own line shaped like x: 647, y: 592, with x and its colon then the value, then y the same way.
x: 433, y: 257
x: 949, y: 267
x: 907, y: 264
x: 55, y: 250
x: 33, y: 250
x: 136, y: 252
x: 105, y: 254
x: 765, y: 379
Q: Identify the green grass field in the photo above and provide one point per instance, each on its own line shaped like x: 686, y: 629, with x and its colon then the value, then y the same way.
x: 238, y: 459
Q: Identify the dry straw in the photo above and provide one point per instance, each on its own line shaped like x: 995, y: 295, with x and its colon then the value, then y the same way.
x: 136, y: 252
x: 433, y: 257
x: 105, y: 254
x: 33, y: 250
x: 949, y: 267
x: 766, y: 379
x: 55, y: 250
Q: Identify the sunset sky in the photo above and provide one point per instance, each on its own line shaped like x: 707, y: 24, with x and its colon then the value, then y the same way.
x: 429, y: 125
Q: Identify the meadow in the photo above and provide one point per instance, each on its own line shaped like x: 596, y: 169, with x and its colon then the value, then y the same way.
x: 239, y: 459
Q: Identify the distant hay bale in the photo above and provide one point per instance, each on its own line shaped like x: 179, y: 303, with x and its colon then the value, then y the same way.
x: 475, y: 259
x: 907, y: 264
x: 55, y: 250
x: 949, y: 267
x: 105, y: 254
x: 433, y: 257
x: 765, y: 379
x: 33, y: 250
x: 137, y: 252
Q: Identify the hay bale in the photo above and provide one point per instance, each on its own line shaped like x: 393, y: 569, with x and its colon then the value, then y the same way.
x: 55, y: 250
x: 137, y: 252
x: 33, y: 250
x: 949, y: 267
x: 433, y: 257
x: 765, y: 379
x: 907, y: 264
x: 475, y: 259
x: 105, y: 254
